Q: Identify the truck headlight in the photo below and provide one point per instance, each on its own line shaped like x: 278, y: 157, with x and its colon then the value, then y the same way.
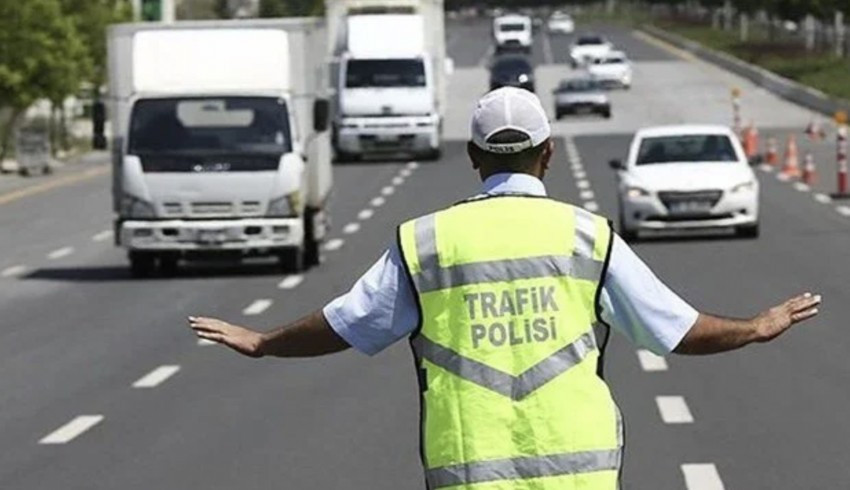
x: 636, y: 192
x: 133, y: 207
x: 745, y: 187
x: 285, y: 206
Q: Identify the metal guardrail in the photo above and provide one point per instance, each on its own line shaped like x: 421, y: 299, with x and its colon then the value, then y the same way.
x: 788, y: 89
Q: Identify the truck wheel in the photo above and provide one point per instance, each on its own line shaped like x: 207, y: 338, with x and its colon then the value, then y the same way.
x: 606, y: 114
x: 347, y: 157
x: 142, y: 264
x: 168, y: 264
x: 292, y: 259
x: 312, y: 245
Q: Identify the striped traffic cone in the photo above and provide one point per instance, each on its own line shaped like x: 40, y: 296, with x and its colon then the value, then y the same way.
x: 791, y: 168
x: 810, y: 174
x: 771, y: 156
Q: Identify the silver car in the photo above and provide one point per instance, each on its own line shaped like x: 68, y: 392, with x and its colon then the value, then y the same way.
x: 581, y: 96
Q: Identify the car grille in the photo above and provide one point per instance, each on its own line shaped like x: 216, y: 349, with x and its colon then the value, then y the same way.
x: 707, y: 199
x: 212, y: 208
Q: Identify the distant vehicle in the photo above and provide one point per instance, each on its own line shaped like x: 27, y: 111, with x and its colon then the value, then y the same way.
x: 512, y: 32
x: 581, y: 95
x: 587, y: 48
x: 612, y: 70
x: 561, y: 23
x: 512, y: 71
x: 687, y: 177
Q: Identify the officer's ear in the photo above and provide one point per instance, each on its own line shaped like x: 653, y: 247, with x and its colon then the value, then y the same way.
x: 470, y: 150
x: 547, y: 153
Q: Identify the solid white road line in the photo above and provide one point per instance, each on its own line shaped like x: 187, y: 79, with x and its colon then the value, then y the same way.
x: 334, y: 244
x: 156, y: 377
x: 388, y: 190
x: 59, y: 253
x: 365, y: 214
x: 378, y: 202
x: 587, y: 194
x: 398, y: 180
x: 548, y: 58
x: 71, y: 430
x: 823, y: 198
x: 800, y: 186
x: 583, y: 184
x: 591, y: 206
x: 674, y: 410
x: 204, y: 342
x: 651, y: 362
x: 103, y: 235
x: 15, y: 270
x: 843, y: 210
x: 702, y: 476
x: 351, y: 228
x: 291, y: 282
x: 257, y: 307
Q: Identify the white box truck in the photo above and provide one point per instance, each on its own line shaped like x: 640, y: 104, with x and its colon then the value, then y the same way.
x: 390, y: 76
x: 219, y: 141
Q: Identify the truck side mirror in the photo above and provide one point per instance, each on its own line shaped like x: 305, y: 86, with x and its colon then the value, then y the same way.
x: 98, y: 116
x: 321, y: 115
x: 616, y: 164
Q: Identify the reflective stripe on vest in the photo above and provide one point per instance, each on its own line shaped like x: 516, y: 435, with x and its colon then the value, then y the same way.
x: 507, y: 346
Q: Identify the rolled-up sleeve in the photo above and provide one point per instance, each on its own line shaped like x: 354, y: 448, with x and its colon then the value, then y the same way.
x: 637, y: 304
x: 379, y: 310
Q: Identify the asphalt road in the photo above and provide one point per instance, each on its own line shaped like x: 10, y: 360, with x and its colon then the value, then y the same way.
x: 76, y: 333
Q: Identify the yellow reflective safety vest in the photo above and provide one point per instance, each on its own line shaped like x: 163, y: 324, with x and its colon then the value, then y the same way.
x: 511, y: 400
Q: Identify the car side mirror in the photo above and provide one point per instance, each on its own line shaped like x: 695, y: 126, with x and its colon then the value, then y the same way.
x: 321, y: 115
x: 98, y: 117
x: 616, y: 164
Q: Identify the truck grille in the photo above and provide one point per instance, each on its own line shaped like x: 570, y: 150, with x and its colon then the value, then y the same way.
x: 212, y: 208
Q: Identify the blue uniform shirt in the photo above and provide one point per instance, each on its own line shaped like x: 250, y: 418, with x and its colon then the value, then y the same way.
x: 380, y: 308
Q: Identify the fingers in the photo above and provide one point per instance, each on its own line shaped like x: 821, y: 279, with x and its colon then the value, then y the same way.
x: 804, y: 315
x: 203, y: 324
x: 803, y: 302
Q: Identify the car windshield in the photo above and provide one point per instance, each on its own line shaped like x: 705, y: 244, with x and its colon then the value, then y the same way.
x: 218, y: 124
x: 589, y: 40
x: 385, y: 73
x: 512, y: 27
x: 609, y: 61
x: 686, y: 148
x: 579, y: 85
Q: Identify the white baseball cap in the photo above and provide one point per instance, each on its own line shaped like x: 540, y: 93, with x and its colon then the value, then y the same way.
x: 509, y: 108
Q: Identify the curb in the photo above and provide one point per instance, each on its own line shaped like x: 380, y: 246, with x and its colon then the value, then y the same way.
x: 787, y: 89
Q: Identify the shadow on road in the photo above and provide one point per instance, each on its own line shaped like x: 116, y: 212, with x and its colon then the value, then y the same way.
x: 122, y: 273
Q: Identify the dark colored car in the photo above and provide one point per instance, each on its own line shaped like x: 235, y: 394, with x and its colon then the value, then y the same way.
x: 581, y: 95
x: 512, y: 71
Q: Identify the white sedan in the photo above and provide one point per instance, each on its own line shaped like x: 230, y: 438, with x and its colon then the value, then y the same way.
x: 561, y: 23
x: 613, y: 69
x: 687, y: 177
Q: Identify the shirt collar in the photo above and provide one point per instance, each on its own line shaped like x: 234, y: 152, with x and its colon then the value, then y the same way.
x: 514, y: 183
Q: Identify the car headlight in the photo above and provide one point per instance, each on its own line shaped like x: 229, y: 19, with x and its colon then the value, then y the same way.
x: 636, y: 192
x: 745, y: 187
x: 133, y: 207
x: 285, y: 206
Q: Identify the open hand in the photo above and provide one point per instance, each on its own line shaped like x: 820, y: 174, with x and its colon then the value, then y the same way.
x: 243, y: 340
x: 775, y: 321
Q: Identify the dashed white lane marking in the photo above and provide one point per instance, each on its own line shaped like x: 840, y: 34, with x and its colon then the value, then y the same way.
x: 291, y: 282
x: 351, y: 228
x: 591, y: 206
x: 71, y: 430
x: 398, y: 180
x: 783, y: 177
x: 334, y: 244
x: 580, y: 174
x: 843, y: 210
x: 156, y: 377
x: 59, y: 253
x: 257, y: 307
x: 703, y: 476
x: 15, y: 270
x: 823, y: 198
x: 412, y: 165
x: 378, y: 202
x: 766, y: 168
x: 651, y: 362
x: 365, y: 214
x: 587, y: 194
x: 577, y: 167
x: 583, y: 184
x: 801, y: 187
x: 204, y: 342
x: 405, y: 172
x: 674, y: 410
x: 103, y: 235
x: 388, y: 190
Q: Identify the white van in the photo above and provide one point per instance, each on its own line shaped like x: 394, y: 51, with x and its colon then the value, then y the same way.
x: 513, y: 32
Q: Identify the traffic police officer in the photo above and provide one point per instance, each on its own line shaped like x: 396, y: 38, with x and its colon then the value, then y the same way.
x: 500, y: 295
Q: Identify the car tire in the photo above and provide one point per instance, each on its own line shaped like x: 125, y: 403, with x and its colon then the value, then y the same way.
x: 558, y: 115
x: 628, y: 235
x: 750, y: 231
x: 343, y: 157
x: 312, y: 245
x: 292, y: 259
x: 142, y: 264
x: 433, y: 155
x: 606, y: 114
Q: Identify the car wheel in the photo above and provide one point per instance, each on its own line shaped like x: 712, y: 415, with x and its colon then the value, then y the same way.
x: 750, y: 231
x: 628, y: 235
x: 606, y: 113
x: 342, y: 157
x: 142, y: 264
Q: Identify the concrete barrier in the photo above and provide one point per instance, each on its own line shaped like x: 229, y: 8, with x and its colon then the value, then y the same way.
x: 788, y: 89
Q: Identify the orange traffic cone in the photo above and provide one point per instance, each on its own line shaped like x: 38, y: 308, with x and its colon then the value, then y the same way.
x: 771, y: 157
x: 792, y: 160
x: 810, y: 175
x: 751, y: 142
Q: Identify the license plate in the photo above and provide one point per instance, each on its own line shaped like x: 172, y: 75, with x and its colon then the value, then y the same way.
x: 387, y: 138
x: 212, y: 237
x: 690, y: 207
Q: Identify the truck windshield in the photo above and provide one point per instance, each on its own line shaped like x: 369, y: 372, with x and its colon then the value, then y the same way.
x: 512, y: 27
x: 385, y: 73
x: 254, y: 125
